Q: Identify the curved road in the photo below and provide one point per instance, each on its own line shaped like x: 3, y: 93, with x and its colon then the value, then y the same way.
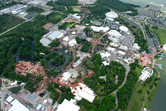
x: 115, y: 92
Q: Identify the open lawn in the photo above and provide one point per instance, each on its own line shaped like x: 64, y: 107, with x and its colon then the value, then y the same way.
x: 76, y: 9
x: 8, y: 21
x: 139, y: 92
x: 161, y: 34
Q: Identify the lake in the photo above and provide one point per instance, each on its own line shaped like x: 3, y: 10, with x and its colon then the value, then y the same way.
x: 159, y: 101
x: 145, y: 2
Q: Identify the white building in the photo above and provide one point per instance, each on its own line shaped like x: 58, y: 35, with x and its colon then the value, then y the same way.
x: 54, y: 35
x: 121, y: 53
x: 111, y: 49
x: 100, y: 29
x: 136, y: 46
x: 72, y: 43
x: 105, y: 55
x: 124, y: 48
x: 105, y: 63
x: 68, y: 106
x: 69, y: 76
x: 17, y: 106
x: 111, y: 15
x: 82, y: 91
x: 114, y: 33
x: 123, y: 28
x: 146, y: 73
x: 81, y: 55
x: 45, y: 42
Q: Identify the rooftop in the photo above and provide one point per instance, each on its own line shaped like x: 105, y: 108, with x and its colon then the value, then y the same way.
x: 68, y: 106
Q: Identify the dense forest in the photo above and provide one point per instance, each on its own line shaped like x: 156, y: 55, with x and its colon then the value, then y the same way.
x: 10, y: 42
x: 7, y: 21
x: 125, y: 92
x: 107, y: 103
x: 56, y: 58
x: 35, y: 9
x: 67, y: 2
x: 117, y: 5
x: 100, y: 86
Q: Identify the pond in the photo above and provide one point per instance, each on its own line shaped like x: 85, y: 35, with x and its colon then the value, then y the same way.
x: 49, y: 65
x: 17, y: 57
x: 67, y: 58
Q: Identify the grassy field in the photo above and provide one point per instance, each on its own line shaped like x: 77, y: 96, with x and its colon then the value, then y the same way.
x: 9, y: 21
x: 76, y: 9
x: 138, y: 94
x: 161, y: 34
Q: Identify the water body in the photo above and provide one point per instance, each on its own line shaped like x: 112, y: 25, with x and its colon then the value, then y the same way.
x: 23, y: 59
x: 67, y: 58
x: 159, y: 101
x: 145, y: 2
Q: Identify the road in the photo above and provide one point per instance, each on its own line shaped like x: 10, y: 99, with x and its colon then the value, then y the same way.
x: 16, y: 26
x: 127, y: 67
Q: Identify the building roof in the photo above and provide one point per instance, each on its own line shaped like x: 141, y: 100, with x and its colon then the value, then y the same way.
x: 164, y: 47
x: 72, y: 42
x: 45, y: 42
x: 31, y: 98
x: 105, y: 54
x: 114, y: 33
x: 111, y: 49
x: 68, y: 106
x: 123, y: 48
x: 123, y: 28
x: 121, y: 52
x: 105, y: 63
x: 98, y: 29
x: 82, y: 91
x: 55, y: 34
x: 66, y: 39
x: 146, y: 73
x: 17, y: 106
x: 9, y: 99
x: 39, y: 107
x: 111, y: 15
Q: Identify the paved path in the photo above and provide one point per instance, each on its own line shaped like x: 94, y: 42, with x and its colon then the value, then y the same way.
x: 125, y: 79
x: 16, y: 26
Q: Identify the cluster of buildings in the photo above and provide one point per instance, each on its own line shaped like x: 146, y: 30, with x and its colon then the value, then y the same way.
x: 122, y: 46
x: 12, y: 104
x: 152, y: 11
x: 49, y: 37
x: 26, y: 101
x: 66, y: 37
x: 23, y: 68
x: 15, y: 10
